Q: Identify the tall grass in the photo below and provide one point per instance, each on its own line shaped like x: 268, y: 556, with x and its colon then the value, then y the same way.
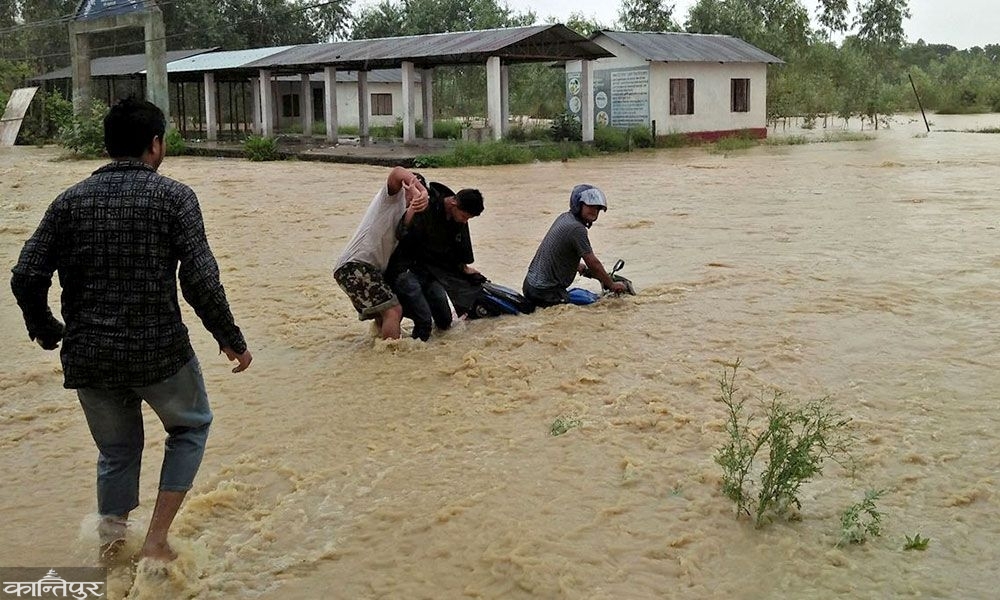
x: 502, y: 153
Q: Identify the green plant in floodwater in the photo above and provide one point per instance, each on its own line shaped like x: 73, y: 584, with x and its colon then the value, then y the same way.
x: 563, y: 424
x: 862, y: 520
x: 763, y: 467
x: 916, y: 543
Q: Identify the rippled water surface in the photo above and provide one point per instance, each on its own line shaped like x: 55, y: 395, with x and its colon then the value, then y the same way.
x: 341, y: 467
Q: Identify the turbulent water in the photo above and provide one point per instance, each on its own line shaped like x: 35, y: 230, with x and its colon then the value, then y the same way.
x: 341, y: 467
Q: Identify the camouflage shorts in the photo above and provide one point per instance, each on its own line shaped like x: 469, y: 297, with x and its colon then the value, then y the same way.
x: 367, y: 289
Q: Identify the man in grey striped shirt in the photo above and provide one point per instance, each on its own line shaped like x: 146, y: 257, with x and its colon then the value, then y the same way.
x: 557, y: 260
x: 120, y: 240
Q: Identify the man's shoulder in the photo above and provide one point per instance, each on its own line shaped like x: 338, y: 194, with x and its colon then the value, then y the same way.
x: 567, y: 221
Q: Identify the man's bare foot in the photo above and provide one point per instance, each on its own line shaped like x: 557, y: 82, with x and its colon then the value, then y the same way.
x: 110, y: 552
x: 160, y: 551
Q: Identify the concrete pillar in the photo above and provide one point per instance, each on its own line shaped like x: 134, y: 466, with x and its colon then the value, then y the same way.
x: 364, y: 107
x: 211, y: 114
x: 494, y: 118
x: 330, y: 103
x: 427, y: 95
x: 79, y: 46
x: 157, y: 91
x: 266, y: 104
x: 306, y: 106
x: 255, y: 96
x: 587, y: 95
x: 409, y: 119
x: 504, y: 99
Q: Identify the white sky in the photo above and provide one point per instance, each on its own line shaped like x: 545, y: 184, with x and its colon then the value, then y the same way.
x: 961, y: 23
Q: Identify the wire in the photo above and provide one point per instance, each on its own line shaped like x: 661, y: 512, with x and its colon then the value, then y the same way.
x: 291, y: 10
x: 63, y: 19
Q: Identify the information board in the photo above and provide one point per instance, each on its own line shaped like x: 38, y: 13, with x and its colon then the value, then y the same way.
x: 621, y: 96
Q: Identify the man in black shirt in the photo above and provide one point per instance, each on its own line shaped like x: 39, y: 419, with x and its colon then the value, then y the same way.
x: 431, y: 262
x: 116, y: 239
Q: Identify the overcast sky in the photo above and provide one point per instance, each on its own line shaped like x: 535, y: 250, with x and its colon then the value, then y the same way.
x: 961, y: 23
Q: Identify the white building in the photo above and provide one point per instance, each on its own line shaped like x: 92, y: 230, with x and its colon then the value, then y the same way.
x: 385, y: 98
x: 707, y: 86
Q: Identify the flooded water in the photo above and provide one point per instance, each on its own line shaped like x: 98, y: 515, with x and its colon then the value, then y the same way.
x: 342, y: 467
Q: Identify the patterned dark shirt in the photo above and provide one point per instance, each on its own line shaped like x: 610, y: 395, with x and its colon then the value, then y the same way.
x: 116, y: 240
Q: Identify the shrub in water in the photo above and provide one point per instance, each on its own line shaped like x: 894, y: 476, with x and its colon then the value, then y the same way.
x: 763, y: 467
x: 862, y: 520
x: 260, y: 148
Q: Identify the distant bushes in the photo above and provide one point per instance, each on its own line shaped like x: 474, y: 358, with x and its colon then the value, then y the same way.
x: 502, y: 153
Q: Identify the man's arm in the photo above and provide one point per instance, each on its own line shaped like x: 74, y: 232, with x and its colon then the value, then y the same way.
x: 200, y: 283
x: 401, y: 178
x: 598, y: 272
x: 31, y: 279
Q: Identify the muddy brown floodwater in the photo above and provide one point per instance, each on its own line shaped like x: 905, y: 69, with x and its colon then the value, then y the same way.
x: 341, y: 467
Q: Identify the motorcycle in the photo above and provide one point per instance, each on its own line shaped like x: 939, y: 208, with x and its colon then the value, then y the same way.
x: 495, y: 299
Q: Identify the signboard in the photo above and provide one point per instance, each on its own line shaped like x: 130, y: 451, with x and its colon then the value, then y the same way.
x: 17, y: 105
x: 621, y: 96
x: 99, y: 9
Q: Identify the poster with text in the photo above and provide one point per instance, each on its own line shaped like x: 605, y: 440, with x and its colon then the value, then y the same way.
x: 621, y: 97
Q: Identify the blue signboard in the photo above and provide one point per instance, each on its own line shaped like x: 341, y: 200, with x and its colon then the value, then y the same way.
x: 99, y: 9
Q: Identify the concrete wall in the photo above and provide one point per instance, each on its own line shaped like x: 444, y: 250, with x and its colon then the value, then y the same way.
x: 712, y: 91
x: 712, y: 97
x: 347, y: 103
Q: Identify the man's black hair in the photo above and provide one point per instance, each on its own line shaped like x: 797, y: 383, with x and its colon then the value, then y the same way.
x: 130, y: 127
x: 470, y: 201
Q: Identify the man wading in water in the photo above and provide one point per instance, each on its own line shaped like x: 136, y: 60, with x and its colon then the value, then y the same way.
x: 116, y: 240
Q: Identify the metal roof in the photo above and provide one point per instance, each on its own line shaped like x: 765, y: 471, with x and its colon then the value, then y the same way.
x: 689, y: 47
x: 514, y: 44
x: 111, y: 66
x: 222, y: 60
x: 539, y: 43
x: 376, y: 76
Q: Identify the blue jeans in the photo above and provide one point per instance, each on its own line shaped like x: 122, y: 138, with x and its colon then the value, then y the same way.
x: 424, y: 300
x: 115, y: 420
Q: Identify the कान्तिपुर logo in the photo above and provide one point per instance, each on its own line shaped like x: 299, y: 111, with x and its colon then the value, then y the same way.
x: 84, y: 583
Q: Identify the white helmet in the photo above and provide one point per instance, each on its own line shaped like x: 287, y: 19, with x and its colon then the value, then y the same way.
x: 586, y: 194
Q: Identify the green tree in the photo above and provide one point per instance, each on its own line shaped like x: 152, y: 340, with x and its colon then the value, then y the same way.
x: 385, y: 19
x: 581, y: 23
x: 780, y: 27
x: 647, y: 15
x: 880, y: 25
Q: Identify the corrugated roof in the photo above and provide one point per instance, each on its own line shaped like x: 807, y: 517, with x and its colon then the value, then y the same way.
x: 537, y: 43
x: 689, y: 47
x: 222, y: 60
x: 376, y: 76
x: 110, y: 66
x: 513, y: 44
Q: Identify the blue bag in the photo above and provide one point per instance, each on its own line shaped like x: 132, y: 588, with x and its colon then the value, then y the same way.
x: 580, y: 296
